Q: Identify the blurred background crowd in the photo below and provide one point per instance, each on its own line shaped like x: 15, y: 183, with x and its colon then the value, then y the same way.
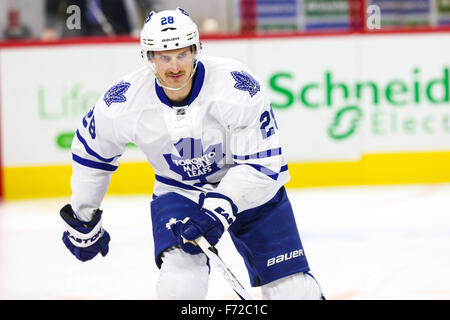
x: 47, y: 19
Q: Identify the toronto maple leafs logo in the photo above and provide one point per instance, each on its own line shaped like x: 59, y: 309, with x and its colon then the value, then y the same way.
x: 149, y: 17
x: 245, y: 82
x: 116, y: 93
x: 192, y: 162
x: 183, y: 11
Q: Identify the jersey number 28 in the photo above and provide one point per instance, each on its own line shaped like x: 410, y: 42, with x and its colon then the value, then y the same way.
x: 265, y: 119
x: 90, y: 115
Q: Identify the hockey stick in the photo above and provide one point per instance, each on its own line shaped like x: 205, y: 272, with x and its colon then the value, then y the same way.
x: 211, y: 253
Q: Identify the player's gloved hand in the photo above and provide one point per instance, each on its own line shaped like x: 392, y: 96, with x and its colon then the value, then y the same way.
x: 215, y: 217
x: 84, y: 239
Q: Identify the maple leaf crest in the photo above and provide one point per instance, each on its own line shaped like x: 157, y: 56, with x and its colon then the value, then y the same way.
x: 116, y: 93
x: 245, y: 82
x: 192, y: 161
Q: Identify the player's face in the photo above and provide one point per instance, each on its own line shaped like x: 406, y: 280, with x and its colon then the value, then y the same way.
x: 174, y: 67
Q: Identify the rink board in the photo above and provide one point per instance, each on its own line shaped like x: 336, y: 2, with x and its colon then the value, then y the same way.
x: 352, y: 109
x: 138, y: 177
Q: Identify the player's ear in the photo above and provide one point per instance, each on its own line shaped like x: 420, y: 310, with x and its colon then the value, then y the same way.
x: 150, y: 55
x: 193, y: 49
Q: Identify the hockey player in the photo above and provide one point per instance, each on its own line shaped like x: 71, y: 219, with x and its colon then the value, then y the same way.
x: 208, y: 130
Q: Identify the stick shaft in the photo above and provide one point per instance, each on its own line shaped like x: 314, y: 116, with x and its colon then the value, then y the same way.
x: 222, y: 267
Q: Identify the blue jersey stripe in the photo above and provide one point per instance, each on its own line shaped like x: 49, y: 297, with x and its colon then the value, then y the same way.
x: 174, y: 183
x: 92, y: 152
x: 93, y: 164
x: 260, y: 155
x: 271, y: 174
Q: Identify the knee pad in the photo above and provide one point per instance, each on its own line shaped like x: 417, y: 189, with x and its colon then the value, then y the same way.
x: 299, y: 286
x: 182, y: 276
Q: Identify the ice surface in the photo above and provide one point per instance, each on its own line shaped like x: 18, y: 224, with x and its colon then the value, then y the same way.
x: 383, y: 242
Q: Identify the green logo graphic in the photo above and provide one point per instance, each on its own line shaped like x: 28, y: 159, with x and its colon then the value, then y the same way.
x: 338, y: 129
x: 64, y: 139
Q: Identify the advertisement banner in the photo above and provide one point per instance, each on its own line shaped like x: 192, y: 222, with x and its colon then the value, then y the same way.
x: 47, y: 90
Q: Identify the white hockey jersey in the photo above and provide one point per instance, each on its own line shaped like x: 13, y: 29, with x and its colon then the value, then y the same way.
x: 225, y: 140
